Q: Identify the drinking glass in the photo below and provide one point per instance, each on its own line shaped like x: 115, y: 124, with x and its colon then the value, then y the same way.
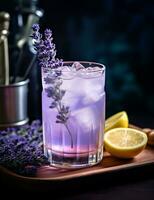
x: 78, y: 142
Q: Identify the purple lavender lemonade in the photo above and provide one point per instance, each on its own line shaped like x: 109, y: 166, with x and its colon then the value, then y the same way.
x: 79, y: 141
x: 73, y: 106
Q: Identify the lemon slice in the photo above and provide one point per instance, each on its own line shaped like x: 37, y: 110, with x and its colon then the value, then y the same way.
x: 125, y: 142
x: 120, y: 119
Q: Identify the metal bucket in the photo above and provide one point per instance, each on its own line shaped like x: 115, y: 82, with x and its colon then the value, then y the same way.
x: 13, y: 104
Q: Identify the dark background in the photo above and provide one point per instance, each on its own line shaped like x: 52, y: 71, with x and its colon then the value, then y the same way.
x: 119, y: 34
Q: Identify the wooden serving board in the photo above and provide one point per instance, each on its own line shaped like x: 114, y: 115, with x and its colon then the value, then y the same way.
x: 107, y: 165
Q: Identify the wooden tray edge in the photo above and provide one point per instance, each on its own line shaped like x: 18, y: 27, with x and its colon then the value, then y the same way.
x: 81, y: 174
x: 65, y: 176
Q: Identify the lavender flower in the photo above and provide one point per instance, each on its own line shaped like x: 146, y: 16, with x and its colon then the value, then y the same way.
x: 45, y: 48
x: 46, y: 54
x: 21, y: 149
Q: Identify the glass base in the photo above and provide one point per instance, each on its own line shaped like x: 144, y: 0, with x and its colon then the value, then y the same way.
x: 73, y: 160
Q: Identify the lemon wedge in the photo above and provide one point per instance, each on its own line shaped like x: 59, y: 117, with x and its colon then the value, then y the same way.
x: 117, y: 120
x: 125, y: 142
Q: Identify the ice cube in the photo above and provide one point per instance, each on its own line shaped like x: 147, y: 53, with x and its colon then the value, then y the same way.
x: 89, y: 68
x: 85, y: 118
x: 82, y: 73
x: 93, y: 69
x: 91, y: 98
x: 90, y: 72
x: 67, y: 73
x: 77, y: 66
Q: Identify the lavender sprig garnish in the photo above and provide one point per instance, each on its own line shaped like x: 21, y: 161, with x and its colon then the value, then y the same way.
x: 46, y: 54
x: 45, y: 48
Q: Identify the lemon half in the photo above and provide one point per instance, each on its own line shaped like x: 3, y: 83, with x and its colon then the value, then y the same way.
x: 120, y: 119
x: 125, y: 142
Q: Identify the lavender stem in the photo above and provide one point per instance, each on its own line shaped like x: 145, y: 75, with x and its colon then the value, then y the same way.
x: 69, y: 134
x: 65, y: 124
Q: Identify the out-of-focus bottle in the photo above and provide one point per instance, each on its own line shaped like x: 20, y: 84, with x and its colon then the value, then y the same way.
x: 27, y: 13
x: 4, y: 56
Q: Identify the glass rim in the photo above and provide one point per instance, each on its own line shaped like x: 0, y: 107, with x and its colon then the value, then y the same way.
x: 97, y: 72
x: 102, y: 66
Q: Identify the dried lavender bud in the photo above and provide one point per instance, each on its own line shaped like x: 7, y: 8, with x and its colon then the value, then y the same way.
x: 49, y: 80
x: 35, y: 27
x: 53, y: 104
x: 21, y: 149
x: 50, y: 92
x: 48, y: 34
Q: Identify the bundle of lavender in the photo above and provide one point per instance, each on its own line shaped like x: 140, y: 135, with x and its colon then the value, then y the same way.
x: 21, y: 149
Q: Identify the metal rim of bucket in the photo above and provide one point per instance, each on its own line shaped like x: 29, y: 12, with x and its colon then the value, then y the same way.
x: 21, y: 123
x: 20, y: 83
